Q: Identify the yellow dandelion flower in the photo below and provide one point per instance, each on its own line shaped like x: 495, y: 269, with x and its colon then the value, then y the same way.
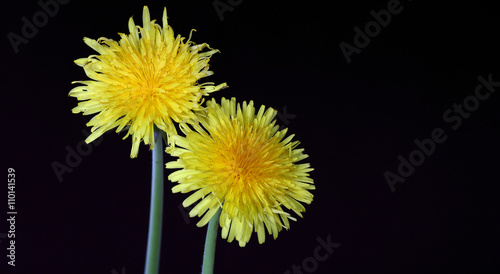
x: 237, y: 160
x: 148, y: 78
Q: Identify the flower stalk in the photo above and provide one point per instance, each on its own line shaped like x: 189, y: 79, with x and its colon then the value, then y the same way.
x: 156, y: 207
x: 210, y: 241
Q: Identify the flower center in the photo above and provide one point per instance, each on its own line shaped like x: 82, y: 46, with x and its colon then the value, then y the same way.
x: 242, y: 165
x: 150, y: 81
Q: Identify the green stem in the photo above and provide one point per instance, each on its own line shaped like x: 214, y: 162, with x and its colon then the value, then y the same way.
x: 209, y: 253
x: 156, y: 208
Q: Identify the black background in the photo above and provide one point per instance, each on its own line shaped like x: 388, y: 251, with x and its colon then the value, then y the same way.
x: 352, y: 119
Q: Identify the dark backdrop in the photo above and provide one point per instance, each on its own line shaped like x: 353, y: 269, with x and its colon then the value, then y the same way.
x: 357, y: 120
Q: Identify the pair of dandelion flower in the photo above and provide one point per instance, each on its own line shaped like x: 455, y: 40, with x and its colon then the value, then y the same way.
x: 231, y: 156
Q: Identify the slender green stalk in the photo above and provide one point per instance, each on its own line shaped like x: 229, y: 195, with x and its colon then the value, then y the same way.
x: 156, y: 208
x: 210, y: 240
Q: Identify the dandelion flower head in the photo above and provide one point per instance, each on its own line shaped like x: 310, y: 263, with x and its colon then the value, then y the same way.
x: 149, y: 78
x: 238, y: 160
